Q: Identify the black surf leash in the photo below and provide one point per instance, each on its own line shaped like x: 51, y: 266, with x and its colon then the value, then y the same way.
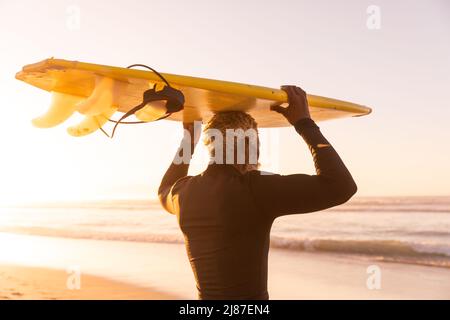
x: 174, y: 101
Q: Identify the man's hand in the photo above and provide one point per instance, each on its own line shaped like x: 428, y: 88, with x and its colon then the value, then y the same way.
x: 298, y: 105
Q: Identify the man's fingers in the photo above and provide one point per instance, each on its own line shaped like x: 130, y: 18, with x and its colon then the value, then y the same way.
x: 288, y: 89
x: 293, y: 90
x: 300, y: 91
x: 278, y: 109
x: 290, y: 92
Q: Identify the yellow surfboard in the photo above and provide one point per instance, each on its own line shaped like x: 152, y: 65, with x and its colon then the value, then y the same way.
x: 99, y: 91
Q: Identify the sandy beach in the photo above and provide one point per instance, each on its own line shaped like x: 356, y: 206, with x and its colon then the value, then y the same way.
x: 36, y: 268
x: 32, y: 283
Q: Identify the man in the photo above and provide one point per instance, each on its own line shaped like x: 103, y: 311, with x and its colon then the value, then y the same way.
x: 226, y: 212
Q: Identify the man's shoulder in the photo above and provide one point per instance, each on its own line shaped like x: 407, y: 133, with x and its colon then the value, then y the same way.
x: 182, y: 181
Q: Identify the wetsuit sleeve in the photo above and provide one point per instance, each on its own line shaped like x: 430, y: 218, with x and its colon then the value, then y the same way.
x: 174, y: 177
x: 300, y: 193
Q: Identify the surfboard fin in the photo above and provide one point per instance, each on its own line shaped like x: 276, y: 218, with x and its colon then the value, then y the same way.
x: 101, y: 98
x: 152, y: 112
x: 62, y: 107
x: 91, y: 124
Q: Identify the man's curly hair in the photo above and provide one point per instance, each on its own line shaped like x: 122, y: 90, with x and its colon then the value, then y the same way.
x: 231, y: 120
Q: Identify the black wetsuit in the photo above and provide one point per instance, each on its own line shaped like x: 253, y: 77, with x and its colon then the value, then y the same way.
x: 226, y: 216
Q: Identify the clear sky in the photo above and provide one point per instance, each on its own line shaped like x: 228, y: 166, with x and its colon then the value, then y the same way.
x: 401, y: 70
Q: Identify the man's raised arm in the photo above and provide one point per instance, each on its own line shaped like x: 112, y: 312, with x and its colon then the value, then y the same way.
x: 300, y: 193
x: 179, y: 167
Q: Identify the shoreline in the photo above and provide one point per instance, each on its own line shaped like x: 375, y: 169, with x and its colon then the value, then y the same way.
x: 436, y: 260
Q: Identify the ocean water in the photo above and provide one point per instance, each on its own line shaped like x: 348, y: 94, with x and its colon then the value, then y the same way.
x: 407, y: 230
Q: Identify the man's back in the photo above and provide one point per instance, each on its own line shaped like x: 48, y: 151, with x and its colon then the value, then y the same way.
x: 226, y: 235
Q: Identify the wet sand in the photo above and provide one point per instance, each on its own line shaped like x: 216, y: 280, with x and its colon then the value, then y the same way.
x: 32, y: 283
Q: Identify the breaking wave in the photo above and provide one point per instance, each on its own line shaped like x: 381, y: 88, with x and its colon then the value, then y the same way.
x: 383, y: 250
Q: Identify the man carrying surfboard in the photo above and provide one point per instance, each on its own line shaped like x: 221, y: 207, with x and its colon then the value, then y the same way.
x: 226, y: 212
